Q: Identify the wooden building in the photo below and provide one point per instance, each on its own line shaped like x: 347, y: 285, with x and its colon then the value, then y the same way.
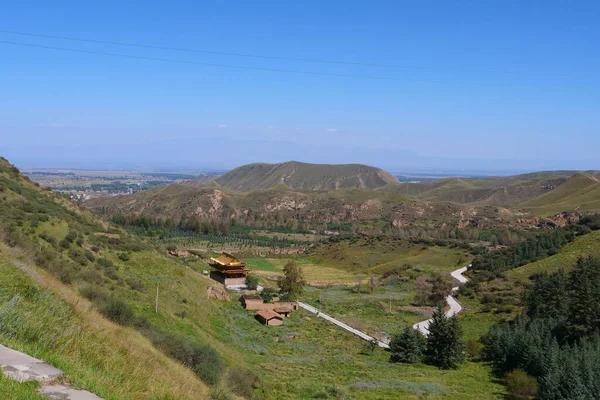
x: 229, y: 270
x: 269, y: 317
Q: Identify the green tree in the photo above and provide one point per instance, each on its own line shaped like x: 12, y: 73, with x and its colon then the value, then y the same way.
x: 444, y: 347
x: 407, y: 347
x: 293, y: 282
x: 252, y: 282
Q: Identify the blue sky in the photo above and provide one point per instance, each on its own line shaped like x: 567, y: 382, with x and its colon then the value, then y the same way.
x: 476, y: 84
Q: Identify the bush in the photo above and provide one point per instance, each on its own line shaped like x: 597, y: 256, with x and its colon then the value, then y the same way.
x: 90, y: 256
x: 78, y: 256
x: 252, y: 282
x: 93, y: 293
x: 520, y: 385
x: 124, y: 256
x: 135, y: 284
x: 473, y: 348
x: 105, y: 262
x: 241, y: 381
x: 118, y: 311
x: 201, y: 358
x: 111, y: 273
x: 90, y: 276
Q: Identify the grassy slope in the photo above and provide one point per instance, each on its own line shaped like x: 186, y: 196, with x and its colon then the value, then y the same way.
x: 48, y: 320
x: 304, y: 176
x: 580, y: 192
x: 488, y: 190
x: 587, y: 245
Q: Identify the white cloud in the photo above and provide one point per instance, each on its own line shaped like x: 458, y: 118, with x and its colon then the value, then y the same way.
x: 331, y: 129
x: 221, y: 126
x: 270, y: 127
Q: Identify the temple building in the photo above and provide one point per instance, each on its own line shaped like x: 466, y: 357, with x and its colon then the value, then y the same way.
x: 229, y: 270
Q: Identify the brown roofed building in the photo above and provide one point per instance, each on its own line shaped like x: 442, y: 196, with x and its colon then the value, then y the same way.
x: 229, y: 270
x: 252, y: 302
x: 269, y: 317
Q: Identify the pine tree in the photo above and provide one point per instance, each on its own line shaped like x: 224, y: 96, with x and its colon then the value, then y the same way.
x: 407, y: 347
x: 444, y: 347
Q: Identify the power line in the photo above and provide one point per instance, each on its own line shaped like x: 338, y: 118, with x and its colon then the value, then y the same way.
x: 240, y: 66
x: 312, y: 60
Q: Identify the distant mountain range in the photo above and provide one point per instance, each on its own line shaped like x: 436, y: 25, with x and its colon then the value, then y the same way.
x: 298, y: 175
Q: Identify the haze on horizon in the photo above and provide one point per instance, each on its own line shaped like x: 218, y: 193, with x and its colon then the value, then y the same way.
x: 466, y: 87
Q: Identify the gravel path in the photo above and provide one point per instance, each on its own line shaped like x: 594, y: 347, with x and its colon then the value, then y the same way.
x: 455, y: 307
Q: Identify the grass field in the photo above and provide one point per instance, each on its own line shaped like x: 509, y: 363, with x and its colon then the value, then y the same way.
x: 314, y: 274
x: 308, y: 357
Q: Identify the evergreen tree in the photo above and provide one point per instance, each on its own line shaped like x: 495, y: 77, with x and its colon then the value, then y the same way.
x: 407, y: 347
x: 584, y: 304
x: 444, y: 347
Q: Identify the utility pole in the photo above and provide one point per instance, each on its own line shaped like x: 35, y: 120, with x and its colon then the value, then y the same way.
x: 156, y: 305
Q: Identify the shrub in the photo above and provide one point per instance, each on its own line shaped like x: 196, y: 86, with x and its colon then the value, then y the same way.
x: 473, y: 348
x: 241, y: 381
x: 93, y: 293
x: 124, y: 256
x: 90, y: 256
x: 90, y: 276
x: 201, y: 358
x: 520, y: 385
x: 135, y: 284
x: 71, y: 236
x: 252, y: 282
x: 105, y: 262
x: 78, y: 256
x: 65, y: 244
x: 111, y: 273
x: 220, y: 393
x: 118, y: 311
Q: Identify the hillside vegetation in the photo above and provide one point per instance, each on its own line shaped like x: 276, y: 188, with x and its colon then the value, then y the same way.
x: 536, y: 192
x: 79, y: 293
x: 580, y: 192
x: 298, y: 175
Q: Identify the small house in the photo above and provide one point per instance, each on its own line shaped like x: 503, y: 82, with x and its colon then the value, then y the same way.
x: 269, y: 317
x: 252, y: 302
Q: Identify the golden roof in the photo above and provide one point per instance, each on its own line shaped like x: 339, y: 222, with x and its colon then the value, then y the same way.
x: 227, y: 260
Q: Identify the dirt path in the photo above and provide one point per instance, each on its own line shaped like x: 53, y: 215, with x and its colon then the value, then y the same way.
x: 455, y: 306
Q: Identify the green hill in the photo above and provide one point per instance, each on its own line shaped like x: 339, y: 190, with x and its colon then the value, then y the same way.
x: 533, y: 191
x: 587, y: 245
x: 299, y: 175
x: 581, y: 192
x: 80, y: 293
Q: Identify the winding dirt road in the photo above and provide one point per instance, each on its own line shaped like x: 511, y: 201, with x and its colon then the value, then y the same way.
x: 455, y: 307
